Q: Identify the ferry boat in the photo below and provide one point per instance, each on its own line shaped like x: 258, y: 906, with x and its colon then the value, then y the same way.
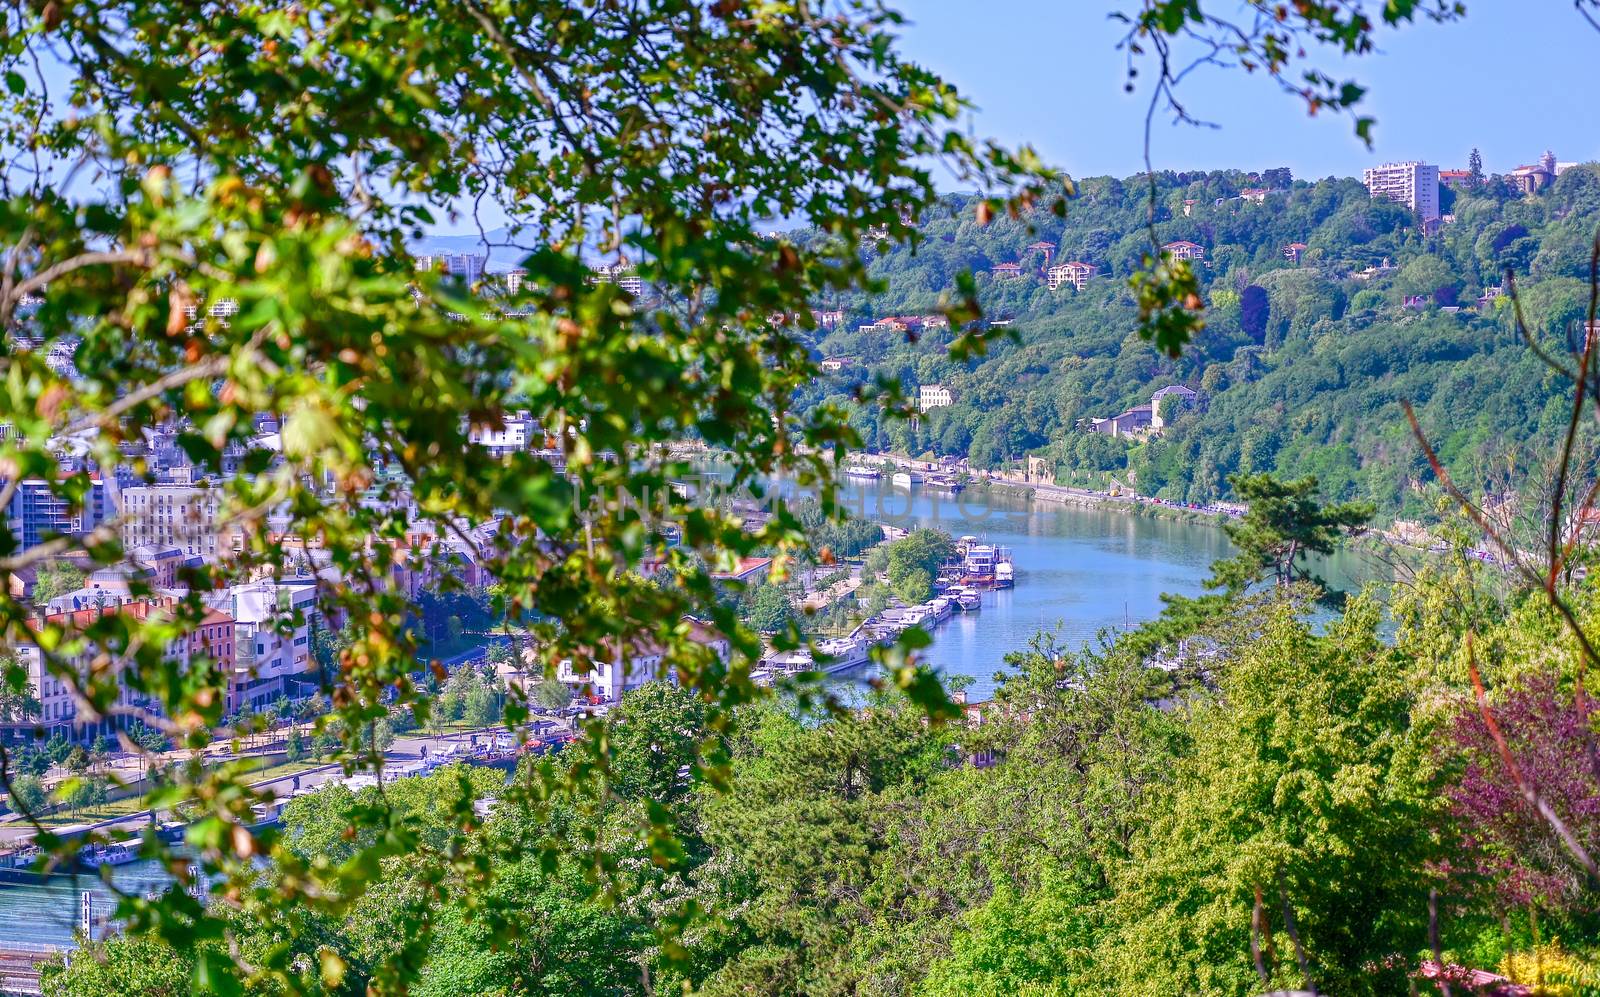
x: 1005, y: 575
x: 906, y: 479
x: 980, y: 560
x: 843, y: 653
x: 118, y: 854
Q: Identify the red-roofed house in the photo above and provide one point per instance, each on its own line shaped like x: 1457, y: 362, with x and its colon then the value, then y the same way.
x: 1006, y: 271
x: 1183, y: 250
x: 1293, y: 251
x: 748, y: 569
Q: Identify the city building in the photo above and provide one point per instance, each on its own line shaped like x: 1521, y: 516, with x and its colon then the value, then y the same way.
x: 1047, y: 248
x: 271, y: 640
x: 1458, y: 179
x: 1535, y: 176
x: 1185, y: 396
x: 833, y: 365
x: 828, y: 318
x: 58, y: 709
x: 36, y: 513
x: 621, y: 274
x: 182, y: 516
x: 515, y: 278
x: 213, y: 640
x: 609, y: 674
x: 1006, y: 271
x: 467, y: 266
x: 1413, y: 184
x: 515, y: 433
x: 1182, y: 250
x: 1074, y: 272
x: 932, y: 396
x: 1131, y: 421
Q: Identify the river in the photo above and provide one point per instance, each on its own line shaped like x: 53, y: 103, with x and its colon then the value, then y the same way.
x: 47, y: 912
x: 1080, y: 571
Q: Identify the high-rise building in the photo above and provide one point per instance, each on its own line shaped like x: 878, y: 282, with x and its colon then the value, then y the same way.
x: 1413, y: 184
x: 35, y: 513
x: 464, y: 265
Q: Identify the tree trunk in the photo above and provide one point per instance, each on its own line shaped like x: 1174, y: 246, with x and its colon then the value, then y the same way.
x: 1294, y: 936
x: 1258, y: 916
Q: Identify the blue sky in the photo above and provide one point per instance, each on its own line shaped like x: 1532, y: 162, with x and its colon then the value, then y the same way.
x: 1513, y: 78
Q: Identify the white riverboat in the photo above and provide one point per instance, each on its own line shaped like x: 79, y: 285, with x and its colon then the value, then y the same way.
x: 967, y: 598
x: 1005, y: 575
x: 862, y: 472
x: 905, y: 479
x: 118, y: 854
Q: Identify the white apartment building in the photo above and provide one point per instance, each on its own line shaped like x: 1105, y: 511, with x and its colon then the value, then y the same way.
x: 1073, y: 272
x: 622, y: 275
x: 182, y: 516
x: 515, y: 278
x: 268, y: 647
x: 518, y: 433
x: 608, y: 680
x: 932, y: 396
x: 467, y: 266
x: 1413, y: 184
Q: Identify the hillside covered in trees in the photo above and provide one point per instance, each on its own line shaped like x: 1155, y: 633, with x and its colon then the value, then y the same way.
x: 1303, y: 363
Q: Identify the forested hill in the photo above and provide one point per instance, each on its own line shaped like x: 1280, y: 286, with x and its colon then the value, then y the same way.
x: 1303, y: 364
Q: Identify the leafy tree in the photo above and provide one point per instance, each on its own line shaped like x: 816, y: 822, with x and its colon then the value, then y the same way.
x: 135, y: 965
x: 1283, y: 526
x: 17, y: 702
x: 914, y: 561
x: 1255, y: 307
x: 480, y: 705
x: 295, y: 748
x: 770, y: 609
x: 1290, y: 830
x: 552, y: 694
x: 56, y: 578
x: 27, y: 795
x: 659, y: 739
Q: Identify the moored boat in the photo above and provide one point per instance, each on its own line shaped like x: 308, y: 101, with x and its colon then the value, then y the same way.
x: 118, y: 854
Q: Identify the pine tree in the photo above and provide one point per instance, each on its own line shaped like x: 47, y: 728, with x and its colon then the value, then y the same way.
x: 1475, y: 169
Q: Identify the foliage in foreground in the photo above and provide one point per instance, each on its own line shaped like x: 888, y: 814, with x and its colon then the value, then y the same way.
x: 1281, y: 812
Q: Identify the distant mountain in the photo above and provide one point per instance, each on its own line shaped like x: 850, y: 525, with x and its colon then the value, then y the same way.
x: 503, y: 257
